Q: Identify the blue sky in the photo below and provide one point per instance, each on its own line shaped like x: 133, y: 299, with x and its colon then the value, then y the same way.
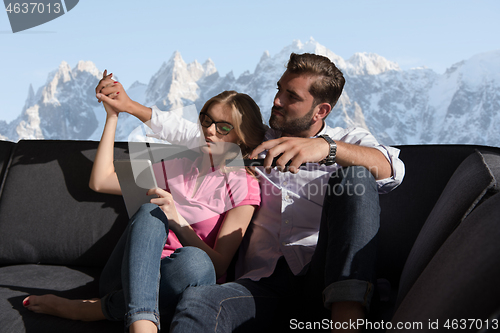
x: 133, y: 38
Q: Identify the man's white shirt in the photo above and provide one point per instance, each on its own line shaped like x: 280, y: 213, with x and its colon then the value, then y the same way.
x: 287, y: 222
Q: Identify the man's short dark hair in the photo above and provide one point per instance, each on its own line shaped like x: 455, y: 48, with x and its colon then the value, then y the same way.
x: 330, y: 81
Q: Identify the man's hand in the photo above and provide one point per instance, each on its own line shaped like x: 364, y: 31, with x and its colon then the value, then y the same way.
x: 112, y: 93
x: 296, y: 150
x: 114, y: 96
x: 303, y: 150
x: 107, y: 80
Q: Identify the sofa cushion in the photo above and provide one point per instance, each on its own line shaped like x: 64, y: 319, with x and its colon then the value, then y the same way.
x: 428, y: 169
x: 48, y: 212
x: 461, y: 280
x: 475, y: 179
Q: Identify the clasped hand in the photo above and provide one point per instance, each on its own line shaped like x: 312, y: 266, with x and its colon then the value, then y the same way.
x: 113, y: 94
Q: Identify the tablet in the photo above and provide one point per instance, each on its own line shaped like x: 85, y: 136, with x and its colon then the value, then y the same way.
x: 136, y: 177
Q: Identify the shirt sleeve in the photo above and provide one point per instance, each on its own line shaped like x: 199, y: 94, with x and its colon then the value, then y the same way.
x: 243, y: 189
x: 170, y: 126
x: 253, y: 196
x: 360, y: 136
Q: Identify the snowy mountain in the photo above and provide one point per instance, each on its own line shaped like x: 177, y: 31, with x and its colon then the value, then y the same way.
x: 62, y: 109
x: 414, y: 106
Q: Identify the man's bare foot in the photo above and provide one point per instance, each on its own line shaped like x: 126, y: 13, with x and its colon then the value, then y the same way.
x: 86, y: 310
x: 343, y: 313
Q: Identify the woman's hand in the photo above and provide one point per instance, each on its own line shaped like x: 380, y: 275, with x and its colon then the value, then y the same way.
x: 229, y: 237
x: 113, y: 94
x: 114, y: 97
x: 166, y: 203
x: 107, y: 79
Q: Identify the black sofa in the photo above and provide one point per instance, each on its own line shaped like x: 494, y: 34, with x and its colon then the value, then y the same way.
x: 438, y: 247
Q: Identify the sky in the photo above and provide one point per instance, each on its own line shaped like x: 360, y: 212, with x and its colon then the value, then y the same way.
x: 133, y: 38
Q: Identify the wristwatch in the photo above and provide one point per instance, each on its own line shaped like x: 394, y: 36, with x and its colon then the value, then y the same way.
x: 330, y: 159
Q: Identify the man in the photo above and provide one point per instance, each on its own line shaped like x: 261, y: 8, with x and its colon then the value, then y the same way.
x: 300, y: 248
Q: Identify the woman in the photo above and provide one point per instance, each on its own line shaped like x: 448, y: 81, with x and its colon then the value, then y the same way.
x: 206, y: 206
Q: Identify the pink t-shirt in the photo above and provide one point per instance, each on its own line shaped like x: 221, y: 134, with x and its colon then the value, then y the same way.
x: 205, y: 210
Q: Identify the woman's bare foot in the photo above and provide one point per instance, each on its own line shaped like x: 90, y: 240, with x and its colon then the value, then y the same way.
x: 86, y: 310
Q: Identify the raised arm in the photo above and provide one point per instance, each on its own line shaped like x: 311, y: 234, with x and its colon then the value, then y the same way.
x: 103, y: 176
x: 169, y: 126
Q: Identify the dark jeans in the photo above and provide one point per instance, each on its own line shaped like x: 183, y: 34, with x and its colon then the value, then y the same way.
x: 342, y: 269
x: 136, y: 283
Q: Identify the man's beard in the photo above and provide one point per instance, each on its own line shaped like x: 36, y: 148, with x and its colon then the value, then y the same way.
x: 292, y: 127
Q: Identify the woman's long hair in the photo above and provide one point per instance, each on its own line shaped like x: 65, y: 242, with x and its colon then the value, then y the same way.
x: 245, y: 117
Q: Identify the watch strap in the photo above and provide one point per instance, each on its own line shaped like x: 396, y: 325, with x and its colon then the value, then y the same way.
x: 330, y: 159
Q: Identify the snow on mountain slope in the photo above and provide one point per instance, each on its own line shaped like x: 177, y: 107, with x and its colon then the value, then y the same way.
x: 466, y: 101
x: 398, y: 106
x: 62, y: 108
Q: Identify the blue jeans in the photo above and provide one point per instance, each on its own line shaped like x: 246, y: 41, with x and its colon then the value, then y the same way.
x: 342, y: 269
x: 136, y: 282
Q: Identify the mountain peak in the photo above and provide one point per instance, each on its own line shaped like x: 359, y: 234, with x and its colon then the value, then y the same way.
x: 265, y: 56
x: 31, y: 92
x: 87, y: 66
x: 64, y: 72
x: 209, y: 67
x: 63, y: 65
x: 136, y: 84
x: 176, y: 58
x: 30, y: 100
x: 482, y: 68
x: 370, y: 64
x: 297, y: 44
x: 177, y: 82
x: 57, y: 77
x: 311, y: 46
